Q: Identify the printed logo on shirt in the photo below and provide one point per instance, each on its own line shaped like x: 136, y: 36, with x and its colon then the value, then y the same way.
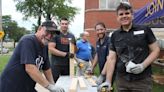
x: 98, y: 46
x: 104, y: 46
x: 39, y: 62
x: 64, y: 40
x: 138, y: 32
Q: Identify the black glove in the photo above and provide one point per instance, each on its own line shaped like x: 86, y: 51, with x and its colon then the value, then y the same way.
x: 70, y: 55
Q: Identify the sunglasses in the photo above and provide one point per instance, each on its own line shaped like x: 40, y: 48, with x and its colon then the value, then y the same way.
x: 126, y: 13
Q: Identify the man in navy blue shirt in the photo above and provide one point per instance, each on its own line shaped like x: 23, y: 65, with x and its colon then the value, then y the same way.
x: 83, y: 53
x: 29, y: 57
x: 59, y: 49
x: 102, y: 46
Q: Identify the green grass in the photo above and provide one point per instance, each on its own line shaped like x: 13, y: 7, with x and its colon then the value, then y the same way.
x: 158, y: 70
x: 3, y: 61
x: 158, y: 88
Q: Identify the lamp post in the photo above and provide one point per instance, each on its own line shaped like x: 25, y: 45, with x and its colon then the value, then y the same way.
x: 1, y: 31
x: 0, y: 15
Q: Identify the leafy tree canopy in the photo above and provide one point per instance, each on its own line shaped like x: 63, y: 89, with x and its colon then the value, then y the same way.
x: 11, y: 28
x: 46, y: 8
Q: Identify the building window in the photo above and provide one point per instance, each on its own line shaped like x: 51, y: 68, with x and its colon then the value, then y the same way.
x: 110, y: 4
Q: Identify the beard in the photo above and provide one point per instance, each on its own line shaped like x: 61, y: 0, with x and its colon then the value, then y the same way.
x: 101, y: 35
x: 45, y: 41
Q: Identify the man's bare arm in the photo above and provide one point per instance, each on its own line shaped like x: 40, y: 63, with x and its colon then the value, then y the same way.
x: 110, y: 65
x: 54, y: 51
x: 95, y: 60
x: 154, y: 52
x: 36, y: 75
x: 48, y: 75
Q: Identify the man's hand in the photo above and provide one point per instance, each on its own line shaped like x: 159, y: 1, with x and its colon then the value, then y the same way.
x: 70, y: 55
x: 129, y: 65
x: 101, y: 79
x: 104, y: 87
x: 89, y: 71
x: 53, y: 88
x: 139, y: 68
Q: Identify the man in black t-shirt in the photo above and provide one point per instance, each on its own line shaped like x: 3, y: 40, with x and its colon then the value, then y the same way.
x: 59, y: 49
x: 29, y: 57
x: 133, y: 48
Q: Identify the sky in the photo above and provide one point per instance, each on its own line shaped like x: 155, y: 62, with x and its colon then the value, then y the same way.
x: 76, y: 27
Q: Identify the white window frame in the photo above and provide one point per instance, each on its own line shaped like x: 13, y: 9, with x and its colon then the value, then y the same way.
x: 106, y: 7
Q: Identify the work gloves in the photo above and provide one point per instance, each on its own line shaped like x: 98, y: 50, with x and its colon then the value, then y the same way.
x: 70, y: 55
x: 53, y: 88
x: 129, y: 65
x: 104, y: 87
x: 101, y: 79
x: 134, y: 68
x: 89, y: 71
x: 139, y: 68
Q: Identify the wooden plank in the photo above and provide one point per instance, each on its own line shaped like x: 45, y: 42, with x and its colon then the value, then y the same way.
x: 74, y: 83
x: 65, y: 82
x: 92, y: 82
x: 71, y: 61
x: 71, y: 68
x: 82, y: 83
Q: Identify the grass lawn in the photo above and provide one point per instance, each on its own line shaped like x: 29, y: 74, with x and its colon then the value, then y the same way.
x: 3, y: 61
x: 156, y: 87
x: 158, y: 71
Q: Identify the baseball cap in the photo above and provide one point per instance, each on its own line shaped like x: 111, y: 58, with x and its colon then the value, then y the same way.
x: 51, y: 27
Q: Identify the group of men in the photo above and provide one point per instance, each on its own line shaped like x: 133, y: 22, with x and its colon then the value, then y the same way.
x: 130, y: 50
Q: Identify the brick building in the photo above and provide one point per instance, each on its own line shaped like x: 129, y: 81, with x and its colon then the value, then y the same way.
x: 104, y: 11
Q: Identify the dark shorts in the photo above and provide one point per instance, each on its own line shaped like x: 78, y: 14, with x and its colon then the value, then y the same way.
x: 143, y: 85
x: 58, y: 70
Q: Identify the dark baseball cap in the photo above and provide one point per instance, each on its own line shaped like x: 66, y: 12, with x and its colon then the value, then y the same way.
x: 51, y: 27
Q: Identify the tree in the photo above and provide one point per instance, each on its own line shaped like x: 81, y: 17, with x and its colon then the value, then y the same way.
x: 46, y: 8
x: 11, y: 28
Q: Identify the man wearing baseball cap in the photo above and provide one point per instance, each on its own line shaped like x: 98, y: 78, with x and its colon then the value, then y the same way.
x: 29, y: 57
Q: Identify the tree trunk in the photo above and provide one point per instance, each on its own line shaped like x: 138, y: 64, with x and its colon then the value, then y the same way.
x: 38, y: 23
x: 39, y: 20
x: 14, y: 43
x: 48, y: 17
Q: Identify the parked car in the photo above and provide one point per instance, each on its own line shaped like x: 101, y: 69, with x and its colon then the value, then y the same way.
x: 4, y: 50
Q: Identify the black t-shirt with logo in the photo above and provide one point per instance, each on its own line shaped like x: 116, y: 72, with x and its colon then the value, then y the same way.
x: 62, y: 44
x: 29, y: 51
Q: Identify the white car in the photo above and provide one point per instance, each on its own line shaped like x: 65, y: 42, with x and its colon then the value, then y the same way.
x: 4, y: 50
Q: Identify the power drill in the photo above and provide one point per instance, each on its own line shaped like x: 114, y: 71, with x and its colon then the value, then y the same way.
x: 105, y: 89
x: 81, y: 65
